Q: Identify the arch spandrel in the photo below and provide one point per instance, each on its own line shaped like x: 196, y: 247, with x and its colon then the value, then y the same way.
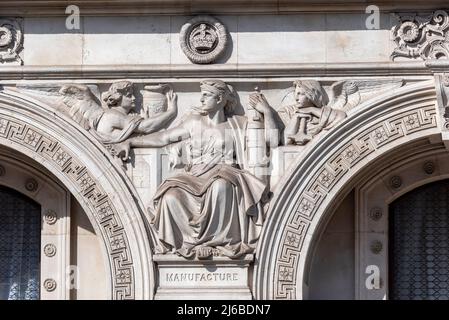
x: 314, y: 181
x: 88, y: 172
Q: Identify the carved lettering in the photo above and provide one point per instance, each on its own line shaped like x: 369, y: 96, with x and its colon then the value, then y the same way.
x: 201, y: 277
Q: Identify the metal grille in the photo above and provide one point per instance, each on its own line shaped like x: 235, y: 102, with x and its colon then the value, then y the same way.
x: 20, y: 225
x: 419, y: 244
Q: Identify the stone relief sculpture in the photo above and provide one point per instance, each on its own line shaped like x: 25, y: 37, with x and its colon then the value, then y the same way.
x: 425, y: 37
x: 310, y: 114
x: 116, y: 119
x: 11, y: 41
x: 116, y: 123
x: 307, y: 108
x: 215, y: 206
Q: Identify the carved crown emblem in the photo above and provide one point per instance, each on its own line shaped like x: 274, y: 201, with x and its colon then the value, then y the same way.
x: 203, y: 38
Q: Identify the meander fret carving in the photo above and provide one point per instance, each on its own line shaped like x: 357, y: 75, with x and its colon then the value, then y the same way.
x: 425, y: 37
x: 380, y: 135
x: 11, y: 41
x: 108, y: 220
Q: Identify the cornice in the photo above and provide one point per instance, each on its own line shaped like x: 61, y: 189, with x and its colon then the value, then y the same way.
x: 417, y: 68
x: 187, y: 7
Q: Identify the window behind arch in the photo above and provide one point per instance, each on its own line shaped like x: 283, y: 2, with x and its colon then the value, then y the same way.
x: 20, y: 237
x: 419, y: 244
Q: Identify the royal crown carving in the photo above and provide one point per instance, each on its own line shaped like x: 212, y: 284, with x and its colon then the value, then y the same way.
x: 203, y: 39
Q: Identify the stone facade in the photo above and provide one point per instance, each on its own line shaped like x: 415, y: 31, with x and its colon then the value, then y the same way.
x: 223, y: 155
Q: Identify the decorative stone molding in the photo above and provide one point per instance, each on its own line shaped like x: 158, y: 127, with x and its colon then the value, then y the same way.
x: 11, y: 41
x: 395, y: 182
x: 375, y: 214
x: 203, y: 39
x: 31, y: 185
x: 50, y: 217
x: 184, y: 73
x: 376, y: 247
x: 298, y: 208
x: 49, y: 285
x: 425, y: 37
x: 50, y: 250
x: 429, y: 167
x: 189, y: 7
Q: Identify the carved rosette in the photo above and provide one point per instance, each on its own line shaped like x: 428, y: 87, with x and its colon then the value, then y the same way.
x: 50, y: 285
x: 203, y: 39
x: 50, y: 250
x: 11, y: 39
x: 425, y: 37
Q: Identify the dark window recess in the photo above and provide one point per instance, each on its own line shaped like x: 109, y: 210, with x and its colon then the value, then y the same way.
x: 20, y: 236
x: 419, y: 244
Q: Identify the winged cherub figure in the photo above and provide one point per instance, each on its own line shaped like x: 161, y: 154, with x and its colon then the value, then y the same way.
x: 115, y: 123
x: 312, y: 112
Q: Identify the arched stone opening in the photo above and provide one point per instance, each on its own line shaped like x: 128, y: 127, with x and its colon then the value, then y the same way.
x: 323, y: 174
x: 100, y: 186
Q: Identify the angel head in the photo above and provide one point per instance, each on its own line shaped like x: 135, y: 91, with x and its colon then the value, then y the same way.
x: 216, y: 94
x: 120, y: 94
x: 309, y: 93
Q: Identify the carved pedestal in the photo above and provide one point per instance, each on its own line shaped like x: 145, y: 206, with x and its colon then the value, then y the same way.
x: 218, y: 278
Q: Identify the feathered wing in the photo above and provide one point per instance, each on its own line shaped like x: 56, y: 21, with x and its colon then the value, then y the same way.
x: 347, y: 94
x: 82, y: 100
x: 83, y: 104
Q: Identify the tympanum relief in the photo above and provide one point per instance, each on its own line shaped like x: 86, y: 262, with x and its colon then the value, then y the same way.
x: 214, y: 201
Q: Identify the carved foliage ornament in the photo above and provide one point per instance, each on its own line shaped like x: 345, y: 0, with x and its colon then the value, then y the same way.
x: 425, y: 37
x: 203, y: 39
x: 10, y: 41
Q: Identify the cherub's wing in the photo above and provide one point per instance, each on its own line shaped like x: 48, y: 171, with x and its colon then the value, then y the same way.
x: 347, y: 94
x: 83, y: 103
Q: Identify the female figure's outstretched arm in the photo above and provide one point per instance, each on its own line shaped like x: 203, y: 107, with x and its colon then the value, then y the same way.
x: 153, y: 140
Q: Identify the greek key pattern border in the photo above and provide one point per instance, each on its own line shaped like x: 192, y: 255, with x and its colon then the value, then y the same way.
x: 338, y: 165
x: 105, y: 215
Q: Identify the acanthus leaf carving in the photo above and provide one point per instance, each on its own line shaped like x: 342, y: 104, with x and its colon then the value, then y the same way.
x: 425, y: 37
